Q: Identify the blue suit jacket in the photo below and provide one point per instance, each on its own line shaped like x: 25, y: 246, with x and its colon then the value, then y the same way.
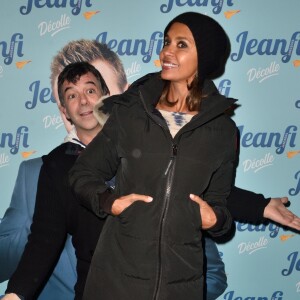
x: 15, y: 227
x: 216, y: 279
x: 14, y: 230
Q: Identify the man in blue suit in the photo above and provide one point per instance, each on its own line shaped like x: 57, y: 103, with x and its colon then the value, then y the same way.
x: 15, y: 227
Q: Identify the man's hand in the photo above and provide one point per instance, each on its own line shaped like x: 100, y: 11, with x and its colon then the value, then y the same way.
x: 123, y: 202
x: 208, y: 216
x: 277, y: 212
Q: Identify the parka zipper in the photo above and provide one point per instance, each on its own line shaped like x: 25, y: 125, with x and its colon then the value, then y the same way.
x: 169, y: 173
x: 169, y: 181
x: 174, y: 153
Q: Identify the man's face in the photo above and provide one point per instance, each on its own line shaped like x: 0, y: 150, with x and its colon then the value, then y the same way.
x: 109, y: 76
x: 80, y: 99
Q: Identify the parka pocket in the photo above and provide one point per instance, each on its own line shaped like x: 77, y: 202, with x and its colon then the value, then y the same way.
x: 136, y: 220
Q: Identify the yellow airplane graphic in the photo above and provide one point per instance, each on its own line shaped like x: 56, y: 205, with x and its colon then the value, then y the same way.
x: 296, y: 63
x: 285, y: 237
x: 291, y: 154
x: 89, y: 14
x: 157, y: 63
x: 230, y: 13
x: 21, y: 64
x: 26, y: 154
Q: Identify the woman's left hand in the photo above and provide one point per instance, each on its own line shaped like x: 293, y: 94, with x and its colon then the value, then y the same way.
x: 208, y: 216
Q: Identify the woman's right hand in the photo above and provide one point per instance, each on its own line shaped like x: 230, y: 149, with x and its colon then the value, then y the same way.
x: 208, y: 216
x: 123, y: 202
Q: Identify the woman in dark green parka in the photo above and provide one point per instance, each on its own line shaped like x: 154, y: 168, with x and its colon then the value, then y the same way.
x: 168, y: 142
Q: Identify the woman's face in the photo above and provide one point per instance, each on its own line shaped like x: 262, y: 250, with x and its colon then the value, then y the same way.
x: 178, y: 57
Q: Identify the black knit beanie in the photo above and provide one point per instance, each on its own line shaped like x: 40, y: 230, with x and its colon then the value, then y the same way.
x: 212, y: 43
